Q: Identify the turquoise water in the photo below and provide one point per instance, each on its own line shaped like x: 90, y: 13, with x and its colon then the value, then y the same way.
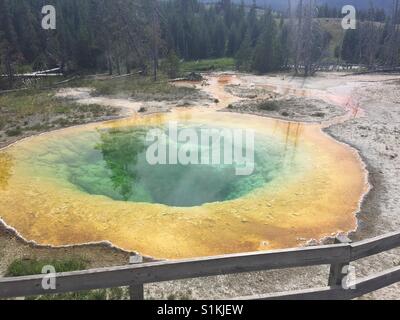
x: 113, y: 163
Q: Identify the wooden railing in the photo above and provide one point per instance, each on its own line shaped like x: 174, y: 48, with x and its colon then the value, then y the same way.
x: 338, y: 256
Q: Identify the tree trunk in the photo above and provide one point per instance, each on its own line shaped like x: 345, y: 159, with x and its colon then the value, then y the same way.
x: 118, y: 67
x: 156, y: 35
x: 298, y: 37
x: 9, y: 69
x: 109, y: 64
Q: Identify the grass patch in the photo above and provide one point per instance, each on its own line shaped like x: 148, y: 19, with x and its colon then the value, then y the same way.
x: 139, y: 88
x: 222, y: 64
x: 19, y: 105
x: 26, y: 267
x: 109, y: 294
x: 26, y: 103
x: 38, y: 111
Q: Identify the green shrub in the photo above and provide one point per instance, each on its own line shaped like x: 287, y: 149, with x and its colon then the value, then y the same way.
x: 14, y: 132
x: 269, y: 106
x: 26, y: 267
x: 222, y: 64
x: 171, y: 65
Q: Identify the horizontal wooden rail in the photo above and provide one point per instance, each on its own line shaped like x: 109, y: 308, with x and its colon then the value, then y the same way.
x: 361, y: 287
x: 135, y: 276
x: 374, y: 246
x: 175, y: 270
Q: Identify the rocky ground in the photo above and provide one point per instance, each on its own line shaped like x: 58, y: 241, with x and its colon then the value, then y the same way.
x: 377, y: 137
x: 374, y: 130
x: 293, y: 109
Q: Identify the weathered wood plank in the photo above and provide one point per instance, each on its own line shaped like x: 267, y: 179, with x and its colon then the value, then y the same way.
x: 374, y: 246
x: 324, y: 293
x: 362, y: 287
x: 374, y: 282
x: 336, y: 274
x: 176, y: 270
x: 136, y: 292
x: 137, y: 275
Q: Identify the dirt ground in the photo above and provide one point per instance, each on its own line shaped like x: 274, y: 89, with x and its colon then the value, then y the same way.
x: 371, y: 124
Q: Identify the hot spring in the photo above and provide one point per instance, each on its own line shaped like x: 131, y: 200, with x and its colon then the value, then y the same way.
x: 94, y: 183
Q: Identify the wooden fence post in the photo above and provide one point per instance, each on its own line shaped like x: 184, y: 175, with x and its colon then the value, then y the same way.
x: 336, y: 274
x: 136, y: 292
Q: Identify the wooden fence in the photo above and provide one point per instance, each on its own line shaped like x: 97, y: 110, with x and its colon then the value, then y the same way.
x: 338, y: 256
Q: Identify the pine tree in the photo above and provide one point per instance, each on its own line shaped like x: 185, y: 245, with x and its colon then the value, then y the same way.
x: 351, y: 47
x: 9, y: 48
x: 244, y: 56
x: 266, y: 54
x: 171, y: 65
